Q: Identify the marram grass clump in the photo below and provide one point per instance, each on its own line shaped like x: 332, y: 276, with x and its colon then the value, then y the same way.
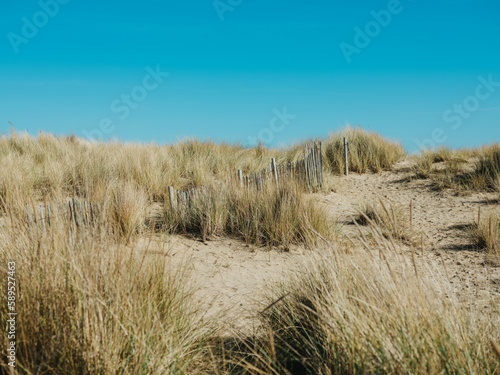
x: 392, y: 221
x: 368, y: 151
x: 378, y: 313
x: 268, y: 217
x: 489, y: 166
x: 486, y: 235
x: 89, y: 305
x: 462, y: 170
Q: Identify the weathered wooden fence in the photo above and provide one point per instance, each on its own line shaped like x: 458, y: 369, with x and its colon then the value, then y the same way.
x: 76, y: 214
x: 182, y: 199
x: 308, y: 172
x: 72, y: 212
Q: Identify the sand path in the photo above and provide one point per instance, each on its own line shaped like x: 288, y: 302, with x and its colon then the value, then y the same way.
x: 233, y: 277
x: 441, y: 216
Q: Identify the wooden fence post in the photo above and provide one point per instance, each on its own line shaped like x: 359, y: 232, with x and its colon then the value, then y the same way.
x: 28, y: 214
x: 240, y: 177
x: 42, y: 218
x: 305, y: 171
x: 171, y: 196
x: 86, y: 213
x: 75, y: 215
x: 274, y: 170
x: 35, y: 220
x: 92, y: 213
x: 71, y: 216
x: 48, y: 216
x: 78, y: 214
x: 66, y: 217
x: 319, y: 169
x: 346, y: 156
x: 314, y: 165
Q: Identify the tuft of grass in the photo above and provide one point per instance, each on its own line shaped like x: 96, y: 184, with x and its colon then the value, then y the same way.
x: 270, y: 217
x: 461, y: 170
x: 488, y: 166
x: 392, y: 221
x: 377, y: 315
x: 486, y: 235
x: 423, y: 165
x: 205, y: 215
x: 442, y: 154
x: 94, y: 306
x: 126, y: 208
x: 368, y: 151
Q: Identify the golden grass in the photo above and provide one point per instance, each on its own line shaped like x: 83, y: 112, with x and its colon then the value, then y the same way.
x: 497, y: 188
x: 371, y: 314
x: 272, y: 217
x: 98, y: 307
x: 486, y: 235
x: 49, y: 165
x: 488, y: 166
x: 130, y: 178
x: 462, y: 170
x: 94, y: 306
x: 368, y: 151
x: 390, y: 220
x: 127, y: 208
x: 33, y: 168
x: 423, y: 165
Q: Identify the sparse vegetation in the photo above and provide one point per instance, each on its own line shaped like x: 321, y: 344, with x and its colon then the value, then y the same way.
x: 462, y: 170
x: 354, y: 315
x: 423, y: 165
x: 497, y: 188
x: 442, y: 154
x: 391, y: 221
x: 488, y: 167
x: 486, y: 235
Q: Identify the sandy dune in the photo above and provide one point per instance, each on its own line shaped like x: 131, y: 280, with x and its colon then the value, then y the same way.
x: 233, y: 279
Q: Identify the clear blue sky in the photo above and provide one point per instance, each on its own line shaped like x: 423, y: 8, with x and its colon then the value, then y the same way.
x: 244, y: 70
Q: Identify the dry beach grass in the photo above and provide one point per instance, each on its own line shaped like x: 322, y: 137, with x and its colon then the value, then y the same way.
x: 272, y: 282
